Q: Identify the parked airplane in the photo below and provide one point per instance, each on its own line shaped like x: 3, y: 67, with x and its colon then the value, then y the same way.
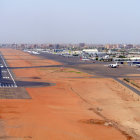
x: 138, y: 65
x: 84, y: 59
x: 35, y: 52
x: 1, y: 65
x: 113, y: 65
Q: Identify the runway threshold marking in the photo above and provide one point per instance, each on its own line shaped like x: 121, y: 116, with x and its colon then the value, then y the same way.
x: 8, y: 71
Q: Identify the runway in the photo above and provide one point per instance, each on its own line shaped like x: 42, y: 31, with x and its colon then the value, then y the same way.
x: 6, y: 76
x: 11, y: 88
x: 97, y: 69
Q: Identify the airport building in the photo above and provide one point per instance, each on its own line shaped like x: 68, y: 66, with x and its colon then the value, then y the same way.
x: 131, y: 61
x: 90, y: 51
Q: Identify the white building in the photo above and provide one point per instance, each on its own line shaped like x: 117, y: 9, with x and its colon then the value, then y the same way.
x: 90, y: 51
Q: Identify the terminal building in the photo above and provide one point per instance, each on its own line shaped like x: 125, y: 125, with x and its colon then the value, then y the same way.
x: 90, y: 51
x: 131, y: 60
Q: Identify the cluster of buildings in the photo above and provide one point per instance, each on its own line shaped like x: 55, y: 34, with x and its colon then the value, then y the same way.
x: 74, y: 46
x: 122, y: 53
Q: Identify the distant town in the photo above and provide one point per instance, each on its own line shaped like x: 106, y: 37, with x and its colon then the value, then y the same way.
x: 119, y: 53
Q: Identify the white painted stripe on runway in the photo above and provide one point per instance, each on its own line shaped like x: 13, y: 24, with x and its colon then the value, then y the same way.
x: 8, y: 71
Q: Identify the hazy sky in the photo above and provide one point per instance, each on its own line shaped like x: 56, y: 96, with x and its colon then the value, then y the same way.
x: 70, y: 21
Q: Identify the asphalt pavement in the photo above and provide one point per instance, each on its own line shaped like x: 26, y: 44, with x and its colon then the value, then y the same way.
x: 6, y: 76
x: 98, y: 69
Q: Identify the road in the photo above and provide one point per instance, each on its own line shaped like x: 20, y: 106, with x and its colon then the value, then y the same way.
x: 128, y: 86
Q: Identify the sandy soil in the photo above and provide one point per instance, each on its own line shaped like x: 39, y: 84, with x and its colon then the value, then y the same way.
x: 136, y: 81
x: 133, y: 82
x: 77, y: 108
x: 133, y: 75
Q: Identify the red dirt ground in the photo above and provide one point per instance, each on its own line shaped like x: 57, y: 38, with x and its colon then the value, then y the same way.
x: 74, y: 109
